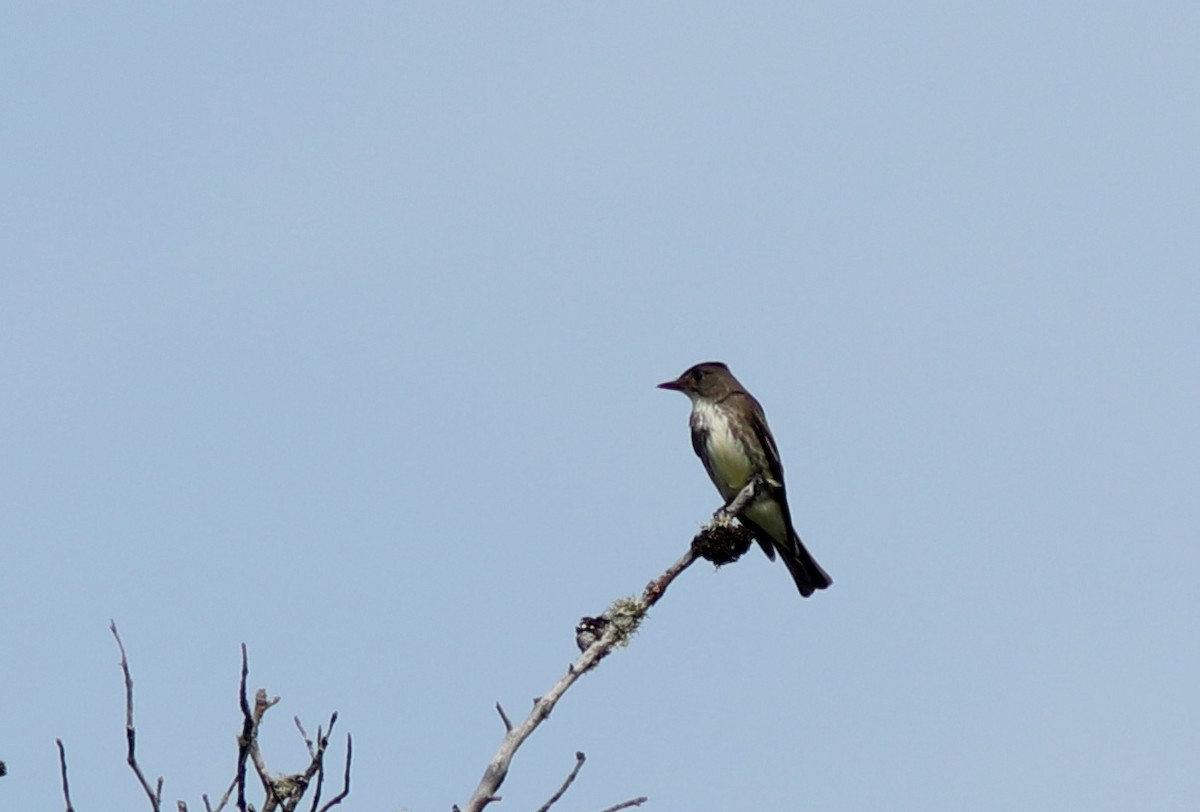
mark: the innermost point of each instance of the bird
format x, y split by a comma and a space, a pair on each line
731, 437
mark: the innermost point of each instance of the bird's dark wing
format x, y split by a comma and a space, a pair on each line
805, 570
766, 441
761, 444
774, 464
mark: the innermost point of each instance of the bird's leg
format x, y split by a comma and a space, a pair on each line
738, 503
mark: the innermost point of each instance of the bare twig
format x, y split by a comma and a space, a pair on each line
504, 718
224, 798
261, 704
341, 796
62, 769
246, 737
284, 792
566, 784
304, 735
248, 742
614, 630
316, 763
627, 804
597, 637
155, 795
655, 589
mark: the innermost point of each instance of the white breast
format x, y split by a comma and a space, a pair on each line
729, 464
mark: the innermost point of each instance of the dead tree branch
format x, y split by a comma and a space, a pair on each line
155, 794
261, 704
282, 792
341, 796
597, 637
627, 804
224, 798
566, 784
504, 717
62, 769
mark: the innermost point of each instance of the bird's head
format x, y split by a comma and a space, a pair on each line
709, 380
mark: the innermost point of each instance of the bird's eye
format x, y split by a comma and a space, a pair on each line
697, 375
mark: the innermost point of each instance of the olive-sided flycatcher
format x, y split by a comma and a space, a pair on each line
731, 437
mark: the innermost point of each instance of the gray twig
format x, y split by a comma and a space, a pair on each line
224, 798
566, 784
304, 735
618, 626
155, 795
261, 704
246, 738
341, 796
284, 792
62, 769
504, 718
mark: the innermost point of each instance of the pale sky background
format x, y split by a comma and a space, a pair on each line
334, 329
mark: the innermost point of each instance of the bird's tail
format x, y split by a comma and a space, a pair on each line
805, 570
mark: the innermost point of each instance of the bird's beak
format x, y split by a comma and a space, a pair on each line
674, 386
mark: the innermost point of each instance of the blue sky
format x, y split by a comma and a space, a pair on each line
334, 330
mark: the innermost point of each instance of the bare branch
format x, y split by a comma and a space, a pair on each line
612, 630
261, 704
304, 735
248, 742
341, 796
62, 769
596, 637
566, 784
224, 798
627, 804
283, 792
655, 589
504, 718
246, 737
316, 763
155, 795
